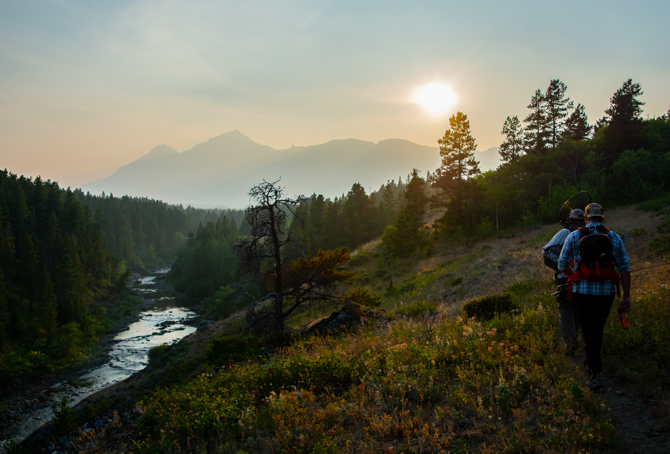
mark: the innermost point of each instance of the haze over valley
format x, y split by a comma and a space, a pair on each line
220, 171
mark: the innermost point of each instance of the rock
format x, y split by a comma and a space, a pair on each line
531, 228
351, 315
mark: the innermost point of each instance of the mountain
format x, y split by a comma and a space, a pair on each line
160, 151
488, 159
220, 171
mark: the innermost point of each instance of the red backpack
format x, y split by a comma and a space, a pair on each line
597, 263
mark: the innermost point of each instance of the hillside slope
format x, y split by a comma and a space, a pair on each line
423, 379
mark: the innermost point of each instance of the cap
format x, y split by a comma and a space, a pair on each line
595, 210
576, 215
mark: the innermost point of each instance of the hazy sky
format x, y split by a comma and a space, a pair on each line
86, 87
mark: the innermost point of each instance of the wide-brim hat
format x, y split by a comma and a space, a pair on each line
595, 210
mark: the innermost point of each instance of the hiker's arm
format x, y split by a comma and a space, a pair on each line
623, 266
567, 271
566, 257
625, 305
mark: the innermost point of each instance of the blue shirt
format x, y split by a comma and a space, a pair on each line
571, 251
558, 240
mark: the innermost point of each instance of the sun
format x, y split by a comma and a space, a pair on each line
436, 98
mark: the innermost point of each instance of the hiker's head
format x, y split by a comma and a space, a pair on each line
594, 212
576, 219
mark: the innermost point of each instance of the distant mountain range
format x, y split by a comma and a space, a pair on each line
220, 172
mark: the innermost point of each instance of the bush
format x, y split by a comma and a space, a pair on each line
157, 351
489, 306
365, 297
232, 348
417, 309
64, 420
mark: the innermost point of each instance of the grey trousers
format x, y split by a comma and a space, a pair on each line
566, 311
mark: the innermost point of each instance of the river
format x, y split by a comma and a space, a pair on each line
161, 321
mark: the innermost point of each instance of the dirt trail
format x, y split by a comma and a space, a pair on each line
638, 430
635, 417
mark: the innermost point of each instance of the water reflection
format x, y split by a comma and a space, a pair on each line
161, 322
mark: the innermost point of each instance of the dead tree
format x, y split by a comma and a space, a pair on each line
267, 252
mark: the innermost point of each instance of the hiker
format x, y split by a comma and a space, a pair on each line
551, 252
592, 281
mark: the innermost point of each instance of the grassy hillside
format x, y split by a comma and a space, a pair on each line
421, 377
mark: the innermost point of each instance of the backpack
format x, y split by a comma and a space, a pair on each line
597, 261
596, 250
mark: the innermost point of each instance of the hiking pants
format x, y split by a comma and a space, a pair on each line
566, 312
592, 312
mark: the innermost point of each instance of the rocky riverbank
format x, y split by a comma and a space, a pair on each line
160, 319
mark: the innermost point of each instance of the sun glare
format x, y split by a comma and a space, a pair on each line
436, 98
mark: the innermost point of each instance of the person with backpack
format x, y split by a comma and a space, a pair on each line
551, 252
600, 265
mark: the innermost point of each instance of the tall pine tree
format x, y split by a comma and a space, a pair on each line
512, 148
457, 149
577, 125
556, 107
536, 131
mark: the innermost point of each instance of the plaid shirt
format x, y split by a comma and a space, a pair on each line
571, 251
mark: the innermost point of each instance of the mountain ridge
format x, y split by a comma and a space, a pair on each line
221, 170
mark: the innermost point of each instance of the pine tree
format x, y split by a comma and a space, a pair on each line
457, 149
405, 235
4, 314
624, 105
557, 106
577, 124
624, 130
536, 132
512, 148
331, 237
47, 304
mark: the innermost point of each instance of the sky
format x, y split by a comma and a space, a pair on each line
86, 87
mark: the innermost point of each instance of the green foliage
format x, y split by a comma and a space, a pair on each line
155, 352
364, 297
234, 348
149, 232
489, 306
406, 235
220, 305
376, 388
416, 309
635, 231
656, 204
661, 244
54, 270
64, 420
576, 390
208, 260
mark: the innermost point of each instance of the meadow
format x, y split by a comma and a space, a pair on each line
424, 378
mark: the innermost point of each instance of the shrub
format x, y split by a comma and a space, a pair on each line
361, 258
455, 280
417, 309
232, 348
64, 420
157, 351
365, 297
489, 306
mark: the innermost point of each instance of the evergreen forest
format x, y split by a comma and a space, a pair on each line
147, 232
55, 269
